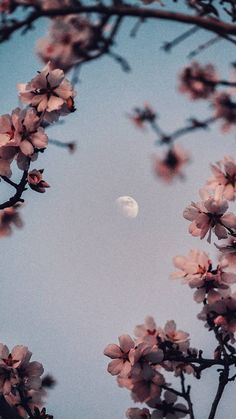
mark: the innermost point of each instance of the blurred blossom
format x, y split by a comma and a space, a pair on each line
228, 252
136, 413
171, 165
197, 81
225, 109
49, 93
9, 217
224, 174
68, 43
142, 115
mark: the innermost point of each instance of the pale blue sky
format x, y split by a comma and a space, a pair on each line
78, 274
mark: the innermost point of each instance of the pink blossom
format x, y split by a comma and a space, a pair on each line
198, 82
167, 407
225, 109
148, 330
120, 354
171, 164
222, 314
48, 92
178, 338
224, 174
22, 131
142, 115
209, 214
136, 413
228, 252
8, 218
36, 182
197, 271
147, 386
69, 40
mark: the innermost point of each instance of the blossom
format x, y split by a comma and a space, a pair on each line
8, 218
221, 314
147, 386
209, 214
142, 115
198, 82
48, 92
228, 252
197, 271
120, 354
225, 109
69, 40
148, 330
22, 131
178, 338
167, 408
136, 413
171, 164
36, 182
224, 173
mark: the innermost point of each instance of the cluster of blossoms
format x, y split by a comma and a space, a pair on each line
224, 174
171, 164
138, 362
22, 133
197, 271
21, 382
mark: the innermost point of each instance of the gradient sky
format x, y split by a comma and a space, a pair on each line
78, 274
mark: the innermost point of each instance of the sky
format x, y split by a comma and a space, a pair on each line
78, 275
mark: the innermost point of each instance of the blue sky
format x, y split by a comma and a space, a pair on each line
79, 275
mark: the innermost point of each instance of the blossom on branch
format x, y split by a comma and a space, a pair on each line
197, 271
36, 182
9, 217
167, 407
49, 92
225, 109
209, 214
170, 166
197, 81
224, 174
69, 40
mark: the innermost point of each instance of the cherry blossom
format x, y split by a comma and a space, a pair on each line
197, 81
171, 164
224, 173
178, 338
209, 214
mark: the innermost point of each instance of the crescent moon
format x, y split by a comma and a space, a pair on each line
127, 206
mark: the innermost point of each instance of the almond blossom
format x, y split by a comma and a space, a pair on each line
167, 407
136, 413
22, 131
9, 217
209, 214
225, 109
36, 182
228, 252
171, 164
197, 81
224, 173
120, 354
197, 271
68, 42
48, 92
221, 314
178, 338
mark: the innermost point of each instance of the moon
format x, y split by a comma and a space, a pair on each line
127, 206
